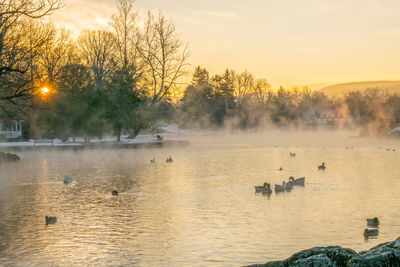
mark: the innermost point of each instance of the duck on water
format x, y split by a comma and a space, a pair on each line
322, 166
264, 189
50, 219
374, 222
67, 179
284, 187
298, 181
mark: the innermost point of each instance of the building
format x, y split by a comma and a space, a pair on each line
11, 128
394, 132
325, 117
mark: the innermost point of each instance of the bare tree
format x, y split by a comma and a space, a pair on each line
98, 49
56, 53
11, 10
124, 28
18, 48
243, 85
262, 91
164, 54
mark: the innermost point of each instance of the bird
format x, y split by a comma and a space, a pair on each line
280, 188
370, 232
374, 222
292, 155
288, 186
280, 169
322, 166
298, 181
50, 220
114, 193
153, 160
169, 159
264, 189
67, 179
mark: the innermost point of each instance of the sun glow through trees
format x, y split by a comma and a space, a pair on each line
44, 91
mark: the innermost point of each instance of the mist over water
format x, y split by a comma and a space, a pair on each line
201, 209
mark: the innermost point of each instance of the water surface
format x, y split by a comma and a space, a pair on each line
199, 210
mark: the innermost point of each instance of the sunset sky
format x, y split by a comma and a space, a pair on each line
289, 42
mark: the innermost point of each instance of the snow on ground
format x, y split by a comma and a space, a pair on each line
78, 142
8, 144
168, 130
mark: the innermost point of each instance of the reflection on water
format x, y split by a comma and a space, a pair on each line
201, 209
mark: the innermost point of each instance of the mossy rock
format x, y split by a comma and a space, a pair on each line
386, 254
318, 256
8, 157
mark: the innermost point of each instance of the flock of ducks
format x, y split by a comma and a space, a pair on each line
168, 160
285, 186
265, 189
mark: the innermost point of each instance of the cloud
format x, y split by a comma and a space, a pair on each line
77, 15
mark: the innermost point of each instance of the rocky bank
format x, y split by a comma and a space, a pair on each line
386, 254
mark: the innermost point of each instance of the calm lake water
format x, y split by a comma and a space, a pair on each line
200, 210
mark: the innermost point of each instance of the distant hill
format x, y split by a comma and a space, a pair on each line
342, 88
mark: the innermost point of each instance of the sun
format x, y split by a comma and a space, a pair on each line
44, 91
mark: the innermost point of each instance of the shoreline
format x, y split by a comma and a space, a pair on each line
30, 146
385, 254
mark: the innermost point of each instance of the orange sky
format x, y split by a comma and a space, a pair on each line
289, 42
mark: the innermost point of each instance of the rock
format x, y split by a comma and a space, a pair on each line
270, 264
8, 157
319, 260
397, 243
337, 255
318, 256
385, 254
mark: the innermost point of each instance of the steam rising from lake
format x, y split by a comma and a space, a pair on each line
201, 209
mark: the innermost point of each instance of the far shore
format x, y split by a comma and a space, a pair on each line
107, 143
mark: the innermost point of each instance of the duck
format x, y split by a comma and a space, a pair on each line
322, 166
298, 181
153, 160
50, 220
280, 169
114, 193
67, 179
280, 188
264, 189
292, 155
169, 159
370, 232
288, 186
374, 222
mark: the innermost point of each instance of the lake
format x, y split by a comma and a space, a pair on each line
200, 210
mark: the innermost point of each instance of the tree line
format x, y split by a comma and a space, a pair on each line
124, 79
242, 101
